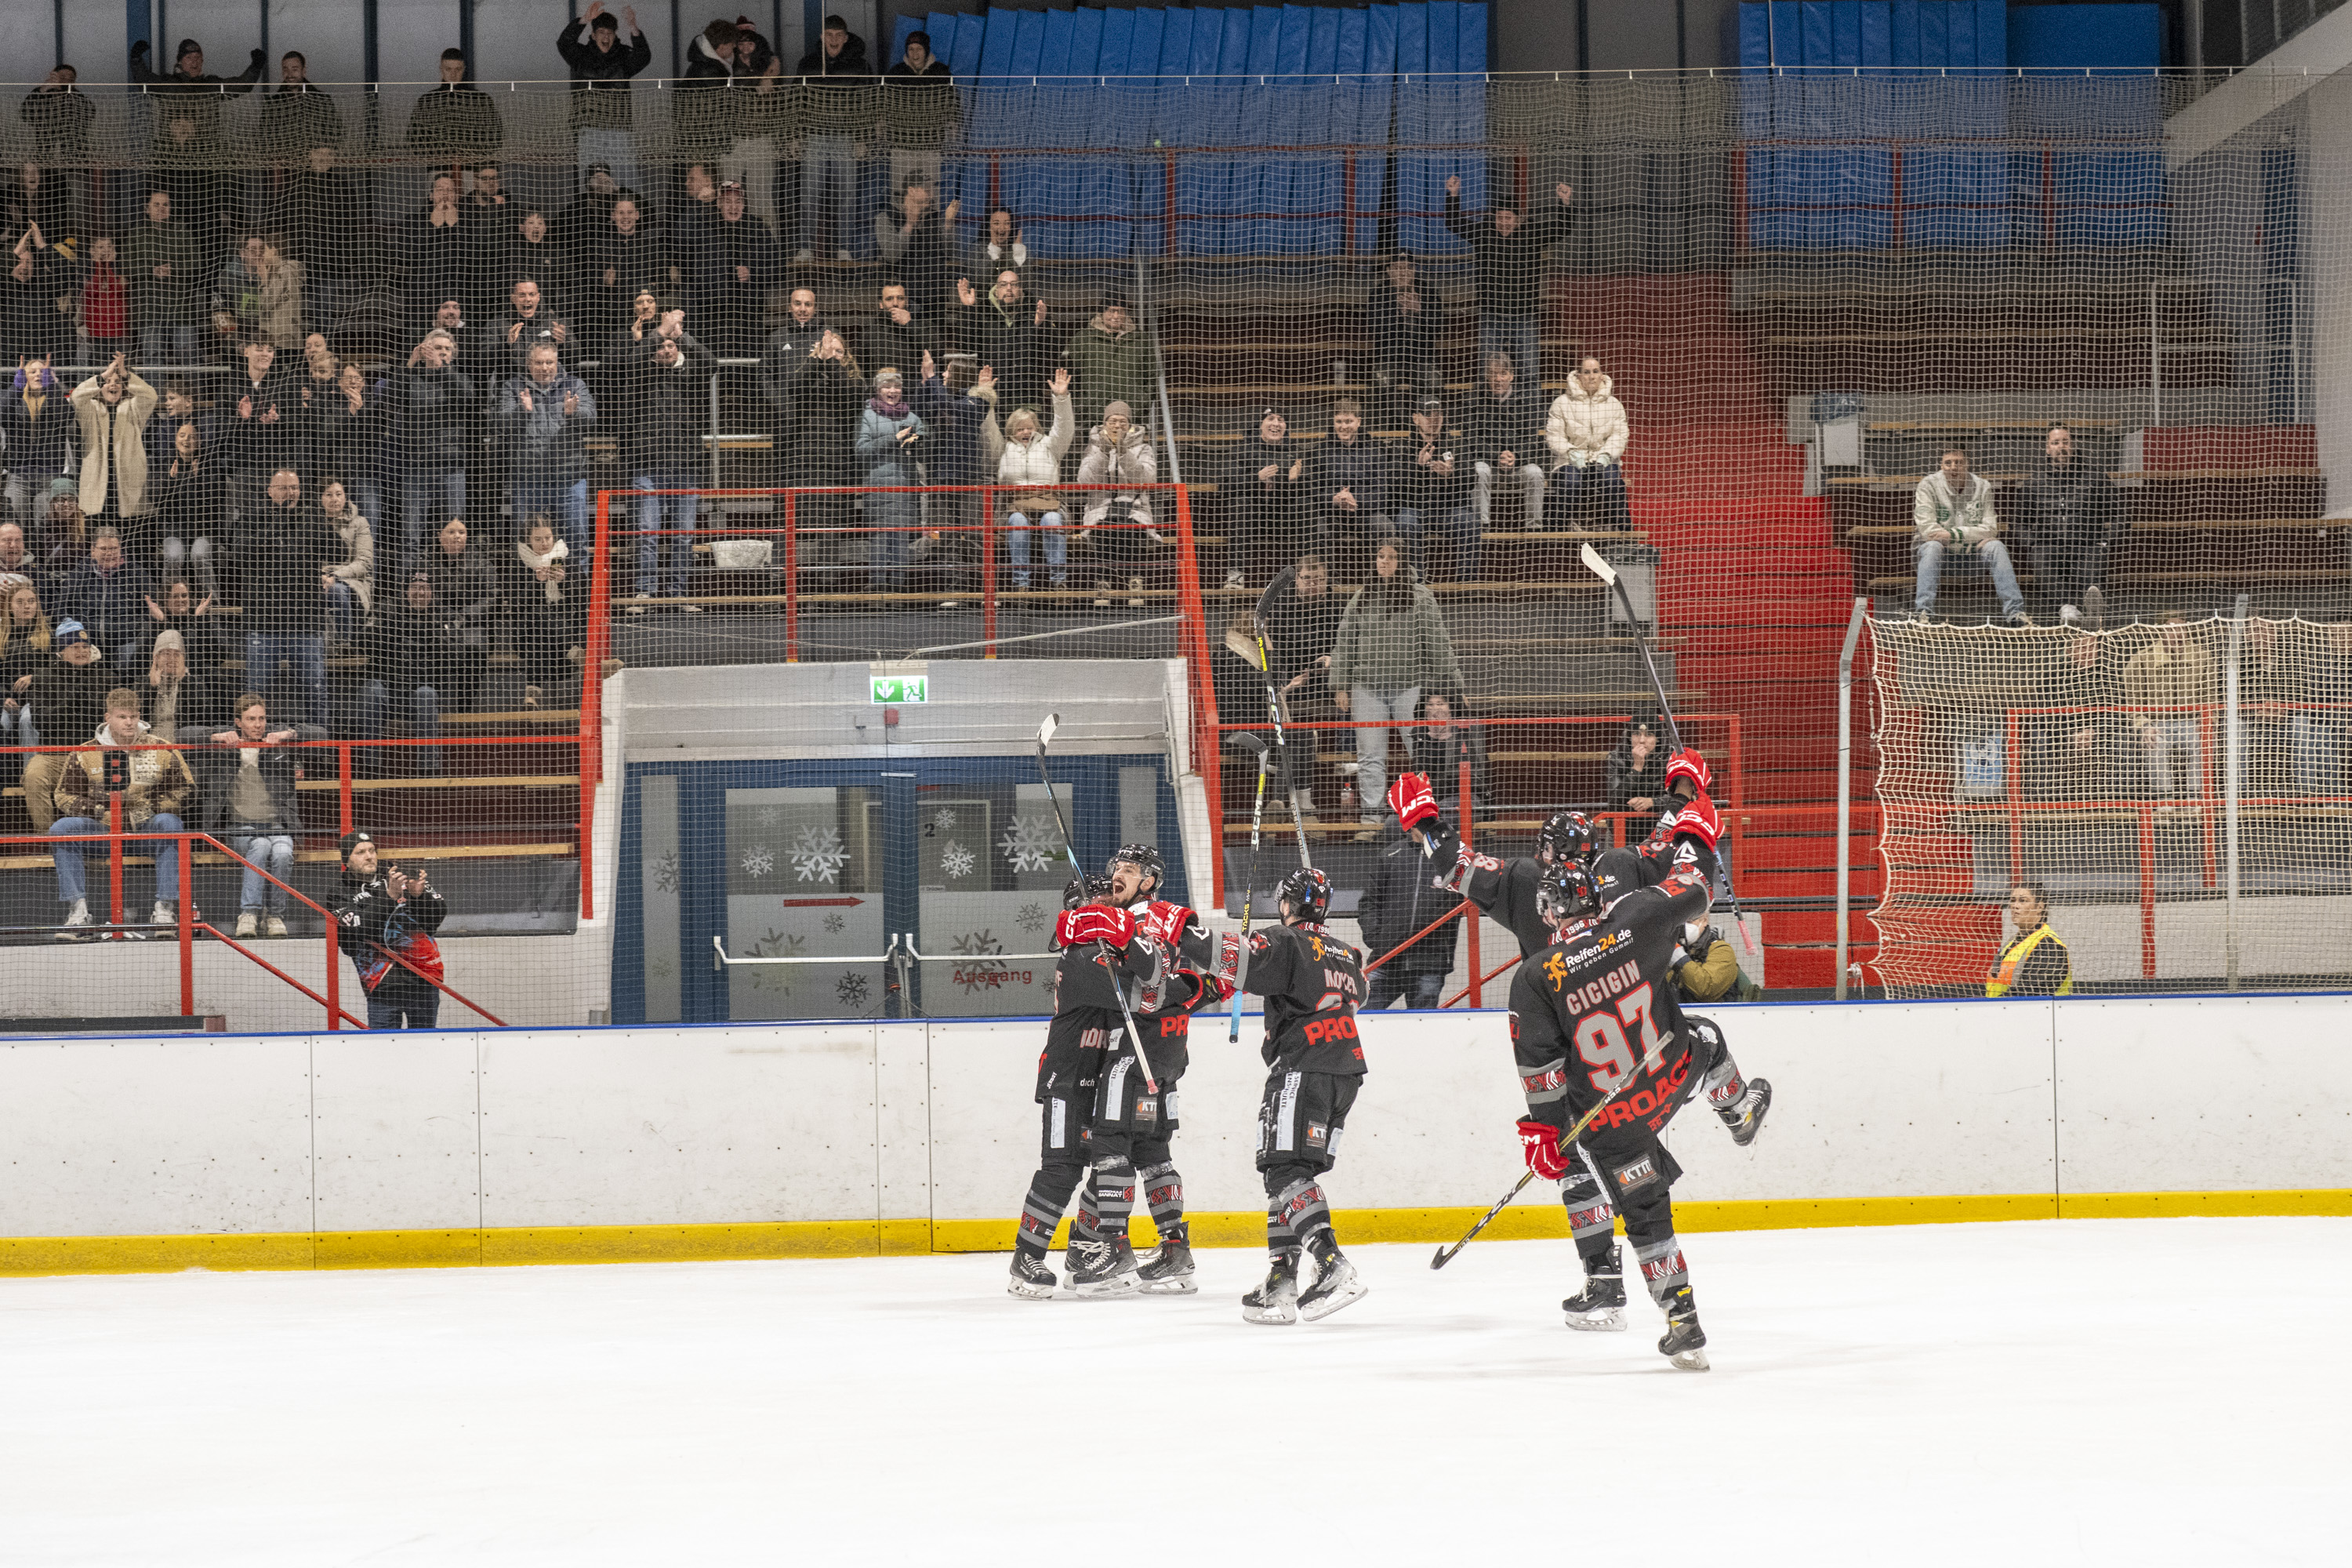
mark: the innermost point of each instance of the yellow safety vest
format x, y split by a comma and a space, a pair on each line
2004, 973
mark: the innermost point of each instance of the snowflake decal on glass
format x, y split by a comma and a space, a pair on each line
944, 819
759, 861
1032, 844
777, 978
665, 873
851, 990
661, 968
956, 860
771, 814
1030, 917
817, 855
979, 976
835, 926
1141, 825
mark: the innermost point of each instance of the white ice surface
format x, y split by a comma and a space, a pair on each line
2094, 1392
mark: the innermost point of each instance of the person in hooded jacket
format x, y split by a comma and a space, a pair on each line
386, 928
1260, 488
66, 698
1587, 432
601, 62
887, 432
1120, 453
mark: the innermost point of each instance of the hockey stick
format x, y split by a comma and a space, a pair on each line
1255, 747
1608, 574
1273, 705
1044, 737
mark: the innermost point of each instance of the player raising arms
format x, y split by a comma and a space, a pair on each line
1593, 1014
1311, 981
1506, 889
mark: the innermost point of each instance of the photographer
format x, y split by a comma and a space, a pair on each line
386, 928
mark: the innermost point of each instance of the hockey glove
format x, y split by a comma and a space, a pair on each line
1095, 923
1540, 1144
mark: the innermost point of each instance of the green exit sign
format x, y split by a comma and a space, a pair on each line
888, 689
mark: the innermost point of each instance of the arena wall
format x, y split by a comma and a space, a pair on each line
530, 1146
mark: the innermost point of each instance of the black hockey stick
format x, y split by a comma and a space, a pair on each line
1255, 747
1044, 737
1273, 706
1608, 574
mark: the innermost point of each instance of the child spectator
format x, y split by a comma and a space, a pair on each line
105, 302
1446, 738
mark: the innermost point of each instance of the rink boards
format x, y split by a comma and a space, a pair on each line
531, 1146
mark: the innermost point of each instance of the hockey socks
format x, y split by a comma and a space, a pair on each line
1738, 1103
1662, 1269
1102, 1260
1163, 1191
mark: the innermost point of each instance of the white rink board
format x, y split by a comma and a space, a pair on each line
397, 1122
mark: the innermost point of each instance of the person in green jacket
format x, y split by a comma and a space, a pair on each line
1111, 360
1392, 644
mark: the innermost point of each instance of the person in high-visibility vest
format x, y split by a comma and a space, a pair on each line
2036, 964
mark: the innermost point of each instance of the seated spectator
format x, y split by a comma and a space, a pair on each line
952, 406
588, 215
193, 518
2290, 746
1111, 360
354, 588
1030, 461
999, 250
1637, 775
528, 322
178, 407
286, 554
434, 404
259, 296
464, 585
159, 787
1587, 433
1505, 422
670, 374
113, 408
180, 612
733, 263
550, 616
1402, 894
1446, 738
2170, 680
346, 425
455, 122
1953, 522
1405, 328
1302, 624
1344, 490
105, 302
2075, 752
1007, 333
251, 805
24, 650
1428, 493
544, 415
918, 113
2067, 514
61, 538
65, 698
179, 699
39, 426
893, 336
1260, 488
18, 563
1392, 645
887, 432
425, 655
108, 593
1118, 453
918, 245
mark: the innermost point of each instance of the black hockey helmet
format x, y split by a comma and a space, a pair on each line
1569, 836
1080, 892
1308, 891
1565, 891
1144, 857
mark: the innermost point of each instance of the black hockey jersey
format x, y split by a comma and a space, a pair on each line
1506, 890
1087, 1019
1312, 982
1601, 1005
1191, 950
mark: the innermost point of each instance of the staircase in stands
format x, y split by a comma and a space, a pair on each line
1750, 579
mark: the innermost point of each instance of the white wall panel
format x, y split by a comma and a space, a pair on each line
397, 1143
96, 45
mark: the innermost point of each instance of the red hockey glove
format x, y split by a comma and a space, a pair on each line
1164, 921
1095, 923
1540, 1144
1700, 820
1411, 800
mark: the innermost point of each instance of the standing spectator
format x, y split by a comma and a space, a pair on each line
703, 116
286, 555
298, 117
262, 432
108, 593
343, 433
40, 297
529, 321
1637, 772
113, 408
486, 206
2168, 681
836, 82
58, 114
386, 929
159, 788
1006, 333
36, 198
1446, 738
1587, 434
662, 443
818, 396
1302, 626
1112, 360
354, 588
1404, 892
1404, 325
454, 124
1392, 645
544, 415
474, 349
25, 639
1505, 425
1118, 453
178, 698
952, 407
259, 297
320, 215
250, 804
434, 403
440, 248
918, 113
38, 428
465, 591
1952, 518
1428, 495
731, 266
2066, 515
887, 431
892, 335
165, 265
1000, 250
589, 213
790, 344
422, 652
1508, 251
601, 67
762, 109
187, 94
2078, 750
916, 243
1032, 461
193, 520
105, 302
1345, 489
624, 256
1261, 490
64, 699
549, 613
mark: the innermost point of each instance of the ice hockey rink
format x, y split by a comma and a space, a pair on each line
2077, 1392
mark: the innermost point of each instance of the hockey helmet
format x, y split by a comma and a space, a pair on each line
1080, 892
1144, 857
1308, 893
1688, 763
1565, 891
1410, 798
1569, 836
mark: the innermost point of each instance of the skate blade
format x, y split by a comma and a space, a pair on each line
1181, 1285
1607, 1321
1117, 1285
1021, 1291
1690, 1360
1347, 1295
1276, 1317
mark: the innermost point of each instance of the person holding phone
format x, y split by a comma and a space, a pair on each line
386, 928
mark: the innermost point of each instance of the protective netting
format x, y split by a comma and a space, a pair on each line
1179, 317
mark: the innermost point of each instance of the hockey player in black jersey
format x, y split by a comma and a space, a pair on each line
1506, 889
1311, 981
1596, 1014
1101, 949
1131, 1127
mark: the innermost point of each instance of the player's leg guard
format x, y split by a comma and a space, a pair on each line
1170, 1272
1650, 1225
1306, 1213
1106, 1260
1591, 1223
1738, 1103
1060, 1169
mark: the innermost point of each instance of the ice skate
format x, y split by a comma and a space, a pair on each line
1032, 1280
1105, 1269
1276, 1300
1685, 1343
1747, 1119
1337, 1285
1170, 1272
1600, 1306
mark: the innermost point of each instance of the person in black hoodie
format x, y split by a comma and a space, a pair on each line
624, 256
550, 605
918, 110
838, 85
66, 696
1260, 488
386, 928
186, 92
1402, 895
436, 405
1637, 772
732, 264
455, 122
2067, 513
1508, 248
896, 334
602, 63
260, 429
420, 651
192, 510
668, 380
286, 555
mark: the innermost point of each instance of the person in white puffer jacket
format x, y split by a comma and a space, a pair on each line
1587, 434
1032, 462
1120, 453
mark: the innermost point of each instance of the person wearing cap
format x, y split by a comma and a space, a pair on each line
250, 805
918, 113
731, 265
601, 62
1260, 489
888, 434
178, 698
837, 81
191, 97
1402, 895
386, 928
156, 786
1405, 324
1112, 360
66, 696
1637, 769
1430, 497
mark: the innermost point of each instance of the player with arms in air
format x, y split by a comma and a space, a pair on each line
1506, 889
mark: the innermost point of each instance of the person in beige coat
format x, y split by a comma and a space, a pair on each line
1587, 433
2167, 682
1033, 461
113, 408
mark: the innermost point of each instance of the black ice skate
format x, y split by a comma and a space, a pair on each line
1600, 1306
1032, 1280
1747, 1119
1170, 1272
1105, 1269
1336, 1286
1276, 1300
1685, 1343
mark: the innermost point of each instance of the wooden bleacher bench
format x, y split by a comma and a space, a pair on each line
2120, 476
2145, 525
329, 782
2215, 336
2026, 425
333, 857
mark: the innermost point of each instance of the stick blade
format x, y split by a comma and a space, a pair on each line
1244, 739
1046, 731
1597, 566
1440, 1260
